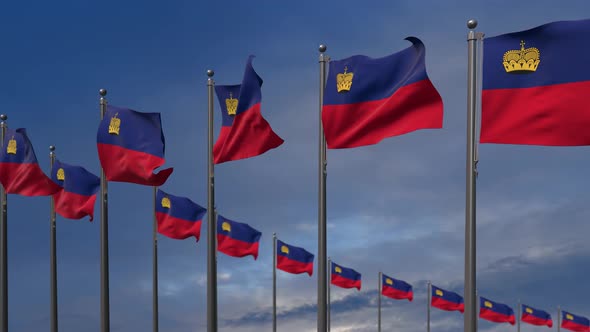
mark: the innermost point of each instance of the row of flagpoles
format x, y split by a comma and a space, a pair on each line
396, 87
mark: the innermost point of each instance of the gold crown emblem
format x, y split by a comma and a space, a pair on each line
439, 292
344, 80
232, 105
11, 148
523, 60
487, 304
338, 269
285, 249
115, 125
389, 281
570, 317
529, 310
61, 175
166, 202
226, 226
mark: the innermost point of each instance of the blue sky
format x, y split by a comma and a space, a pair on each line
397, 206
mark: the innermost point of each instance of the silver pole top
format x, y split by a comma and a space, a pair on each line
210, 73
51, 148
3, 117
472, 24
322, 48
102, 92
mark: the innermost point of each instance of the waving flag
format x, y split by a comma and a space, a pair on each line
495, 312
345, 277
78, 196
19, 171
178, 217
293, 259
131, 146
396, 289
237, 239
446, 300
535, 316
575, 323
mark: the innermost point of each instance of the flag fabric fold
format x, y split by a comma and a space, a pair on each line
294, 259
531, 94
131, 146
446, 300
367, 100
396, 289
574, 323
244, 131
536, 317
178, 217
345, 277
237, 239
79, 188
495, 311
20, 173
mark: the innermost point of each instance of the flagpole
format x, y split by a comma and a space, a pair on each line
322, 229
274, 282
558, 318
155, 268
379, 285
428, 299
104, 237
211, 229
328, 301
52, 251
518, 318
470, 317
3, 245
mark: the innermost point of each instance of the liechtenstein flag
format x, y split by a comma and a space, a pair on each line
237, 239
178, 217
396, 289
244, 132
367, 100
78, 196
293, 259
495, 312
446, 300
534, 91
536, 317
19, 171
131, 147
575, 323
345, 277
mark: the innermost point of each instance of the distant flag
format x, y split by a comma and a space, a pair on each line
19, 171
446, 300
237, 239
367, 100
345, 277
131, 146
396, 289
535, 316
575, 323
244, 131
76, 199
496, 312
531, 93
178, 217
294, 259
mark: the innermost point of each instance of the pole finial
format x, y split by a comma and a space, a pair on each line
51, 148
322, 48
102, 92
3, 117
210, 72
472, 24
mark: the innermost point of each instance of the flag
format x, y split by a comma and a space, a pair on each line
396, 289
446, 300
367, 100
237, 239
495, 312
575, 323
131, 146
19, 171
78, 195
345, 277
535, 316
178, 217
293, 259
244, 132
531, 93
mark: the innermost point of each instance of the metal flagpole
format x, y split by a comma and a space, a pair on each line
155, 269
518, 318
3, 245
274, 282
470, 317
428, 299
328, 295
379, 285
104, 237
558, 318
52, 251
322, 238
211, 229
